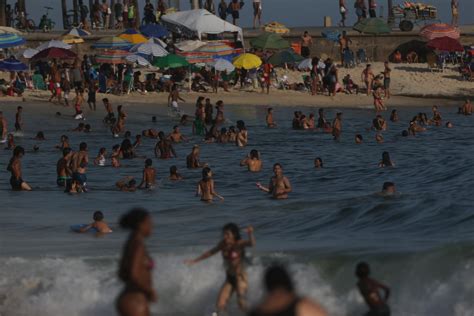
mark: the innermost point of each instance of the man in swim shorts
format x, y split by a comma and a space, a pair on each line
16, 180
63, 169
163, 148
149, 176
79, 161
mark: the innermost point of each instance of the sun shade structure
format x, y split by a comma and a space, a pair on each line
11, 30
198, 22
75, 31
436, 30
112, 42
72, 39
222, 65
285, 57
270, 41
55, 53
210, 52
8, 40
154, 30
112, 57
275, 27
133, 36
150, 49
12, 64
137, 59
445, 44
247, 61
374, 26
170, 61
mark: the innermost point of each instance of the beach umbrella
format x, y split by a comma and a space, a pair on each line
247, 61
445, 44
72, 39
222, 65
133, 36
154, 30
170, 61
137, 59
269, 41
55, 53
436, 30
285, 57
12, 64
112, 42
332, 36
306, 64
275, 27
11, 30
53, 43
155, 40
8, 40
374, 26
189, 46
77, 32
112, 57
150, 49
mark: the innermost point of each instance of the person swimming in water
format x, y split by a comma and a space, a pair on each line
394, 116
370, 291
176, 137
279, 186
79, 162
232, 247
136, 266
100, 160
386, 161
174, 175
127, 184
14, 166
269, 119
388, 188
318, 163
149, 176
205, 187
64, 172
242, 134
281, 298
359, 139
252, 161
192, 160
164, 149
337, 126
99, 224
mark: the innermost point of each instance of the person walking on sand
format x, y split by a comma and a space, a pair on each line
257, 13
370, 291
454, 12
136, 266
367, 77
14, 166
279, 186
281, 298
343, 12
306, 43
232, 247
235, 8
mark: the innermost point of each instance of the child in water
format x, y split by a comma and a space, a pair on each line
174, 175
98, 224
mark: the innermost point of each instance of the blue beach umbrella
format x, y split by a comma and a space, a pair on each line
12, 64
77, 32
154, 30
112, 42
332, 36
150, 49
8, 40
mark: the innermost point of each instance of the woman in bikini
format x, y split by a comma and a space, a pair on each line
136, 266
232, 247
205, 187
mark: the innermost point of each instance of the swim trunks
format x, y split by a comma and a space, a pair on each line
16, 183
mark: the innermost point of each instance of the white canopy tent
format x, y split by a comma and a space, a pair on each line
199, 22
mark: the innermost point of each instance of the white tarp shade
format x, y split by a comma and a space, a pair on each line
201, 22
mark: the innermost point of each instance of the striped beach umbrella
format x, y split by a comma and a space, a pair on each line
12, 64
137, 59
210, 52
111, 42
53, 43
445, 44
150, 49
112, 57
436, 30
77, 32
8, 40
133, 36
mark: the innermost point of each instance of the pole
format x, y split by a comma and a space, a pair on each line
76, 11
64, 12
3, 17
195, 4
112, 16
91, 14
137, 14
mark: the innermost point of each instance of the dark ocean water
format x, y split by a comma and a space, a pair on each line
419, 241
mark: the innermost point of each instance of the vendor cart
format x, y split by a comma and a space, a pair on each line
409, 13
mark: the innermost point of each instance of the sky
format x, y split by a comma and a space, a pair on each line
289, 12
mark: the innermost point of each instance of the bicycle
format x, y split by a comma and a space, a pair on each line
22, 23
46, 24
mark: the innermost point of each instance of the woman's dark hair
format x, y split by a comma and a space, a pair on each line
148, 162
359, 136
18, 150
234, 229
320, 161
40, 135
98, 216
66, 151
241, 124
362, 270
133, 218
386, 159
254, 153
405, 133
205, 173
173, 169
277, 277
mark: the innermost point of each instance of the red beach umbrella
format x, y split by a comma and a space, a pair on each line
445, 44
436, 30
55, 53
